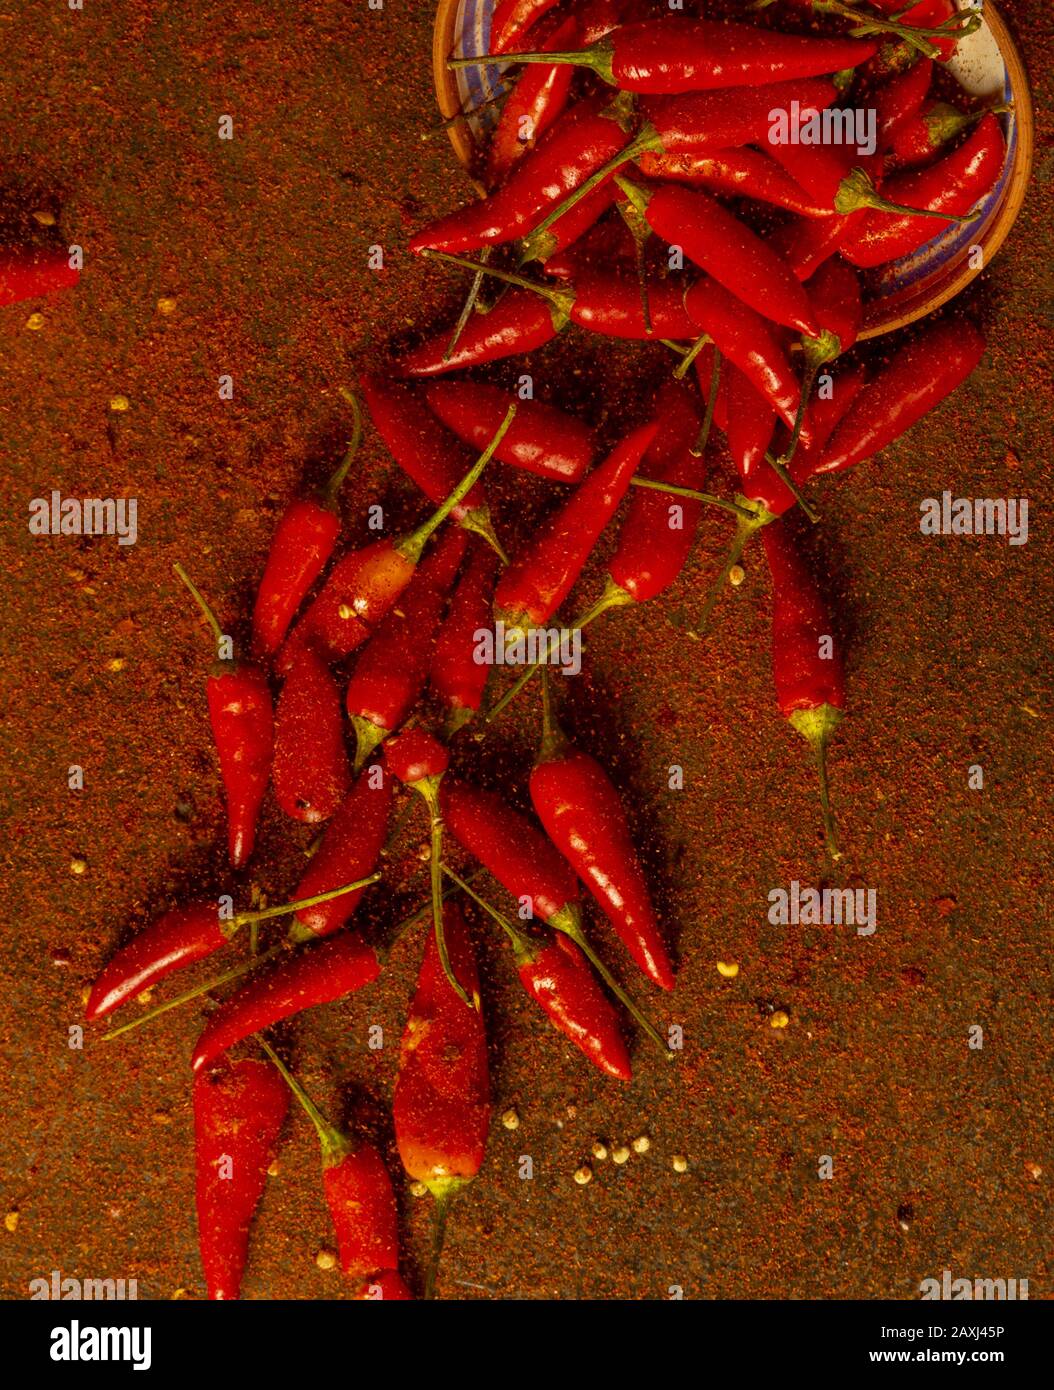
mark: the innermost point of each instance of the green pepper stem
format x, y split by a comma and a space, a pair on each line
282, 909
708, 497
564, 302
206, 987
858, 191
411, 546
329, 492
956, 26
199, 599
689, 357
744, 530
429, 789
597, 56
469, 305
520, 941
817, 726
444, 1190
335, 1145
699, 447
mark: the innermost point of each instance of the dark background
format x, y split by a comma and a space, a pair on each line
108, 118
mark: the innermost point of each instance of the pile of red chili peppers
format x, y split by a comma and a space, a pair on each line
635, 190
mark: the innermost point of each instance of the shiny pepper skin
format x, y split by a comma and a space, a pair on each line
362, 1207
303, 542
558, 977
239, 700
176, 939
239, 1110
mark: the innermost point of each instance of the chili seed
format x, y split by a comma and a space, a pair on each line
78, 866
583, 1175
600, 1150
43, 218
1034, 1171
326, 1259
11, 1222
35, 322
166, 305
680, 1163
736, 575
510, 1119
620, 1154
779, 1019
641, 1144
418, 1189
728, 968
119, 404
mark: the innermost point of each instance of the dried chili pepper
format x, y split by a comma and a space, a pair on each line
303, 543
350, 849
441, 1105
806, 667
364, 584
27, 274
316, 974
392, 667
582, 140
583, 816
688, 55
536, 583
542, 440
239, 1110
358, 1191
311, 774
426, 452
177, 939
455, 675
916, 380
557, 977
239, 701
950, 188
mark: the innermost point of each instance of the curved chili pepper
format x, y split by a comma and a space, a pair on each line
239, 1110
827, 409
417, 756
952, 187
898, 101
425, 452
537, 99
301, 547
392, 667
749, 341
315, 975
656, 56
512, 19
557, 977
751, 423
177, 939
810, 687
441, 1105
543, 439
239, 701
454, 674
311, 774
350, 849
519, 323
358, 1191
582, 140
28, 273
723, 246
918, 378
583, 816
609, 244
536, 583
743, 173
935, 126
806, 243
567, 229
364, 584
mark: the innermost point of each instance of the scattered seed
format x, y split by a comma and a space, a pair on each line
736, 575
728, 968
273, 1170
11, 1222
1034, 1171
35, 323
620, 1154
78, 866
779, 1019
326, 1259
178, 1294
424, 852
147, 997
600, 1150
583, 1175
116, 663
680, 1163
161, 1117
418, 1189
511, 1119
166, 305
641, 1144
572, 1111
43, 218
119, 404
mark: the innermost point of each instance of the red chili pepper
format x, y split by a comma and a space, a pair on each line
358, 1191
536, 583
441, 1105
512, 19
834, 293
918, 378
568, 229
455, 675
386, 1287
742, 173
302, 545
557, 977
805, 244
519, 323
425, 452
364, 584
723, 246
311, 774
827, 409
810, 680
670, 55
537, 99
609, 244
240, 714
749, 341
937, 125
896, 54
950, 188
543, 439
350, 849
751, 423
583, 816
239, 1110
416, 756
315, 975
392, 667
898, 101
177, 939
582, 140
27, 274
